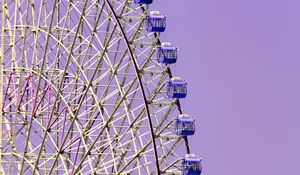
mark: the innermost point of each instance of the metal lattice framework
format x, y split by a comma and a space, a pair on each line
81, 91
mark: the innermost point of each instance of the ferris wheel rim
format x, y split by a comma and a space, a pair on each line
177, 101
140, 83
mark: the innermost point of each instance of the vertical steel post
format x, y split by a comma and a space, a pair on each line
1, 80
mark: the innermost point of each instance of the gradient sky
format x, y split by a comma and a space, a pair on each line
242, 61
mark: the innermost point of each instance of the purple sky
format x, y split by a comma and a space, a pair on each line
242, 61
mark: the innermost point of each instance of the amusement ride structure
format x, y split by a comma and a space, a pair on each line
86, 88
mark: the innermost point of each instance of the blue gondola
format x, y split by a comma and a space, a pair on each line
177, 88
167, 53
185, 125
155, 22
191, 165
143, 1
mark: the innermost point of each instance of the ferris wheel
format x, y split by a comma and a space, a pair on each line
86, 88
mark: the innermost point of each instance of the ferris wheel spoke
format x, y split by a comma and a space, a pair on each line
117, 106
139, 78
134, 157
118, 133
56, 98
145, 64
18, 100
31, 121
75, 88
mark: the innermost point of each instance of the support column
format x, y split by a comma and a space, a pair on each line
1, 79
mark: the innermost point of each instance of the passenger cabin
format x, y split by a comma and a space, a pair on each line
143, 1
176, 88
191, 165
185, 125
167, 53
155, 22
